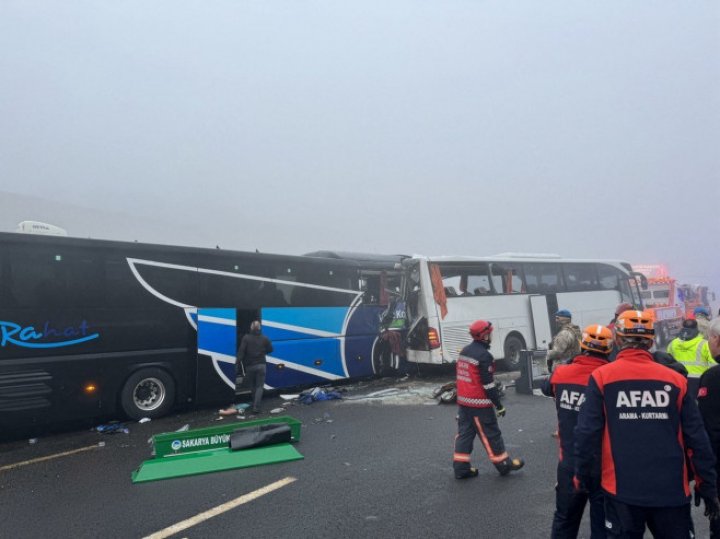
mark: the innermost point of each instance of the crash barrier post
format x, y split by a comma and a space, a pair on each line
530, 371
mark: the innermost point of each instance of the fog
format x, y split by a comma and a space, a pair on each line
587, 129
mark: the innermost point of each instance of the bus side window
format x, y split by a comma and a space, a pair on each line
580, 277
507, 278
543, 278
39, 279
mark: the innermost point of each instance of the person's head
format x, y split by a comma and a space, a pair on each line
635, 329
597, 339
255, 327
481, 330
714, 337
621, 308
689, 329
702, 312
563, 317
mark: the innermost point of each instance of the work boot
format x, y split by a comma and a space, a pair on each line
509, 465
472, 472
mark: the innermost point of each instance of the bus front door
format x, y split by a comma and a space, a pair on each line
541, 321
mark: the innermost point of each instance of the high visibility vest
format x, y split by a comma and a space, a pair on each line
693, 354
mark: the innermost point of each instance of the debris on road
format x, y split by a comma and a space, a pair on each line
112, 428
144, 420
318, 394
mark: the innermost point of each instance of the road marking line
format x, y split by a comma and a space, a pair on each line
49, 457
220, 509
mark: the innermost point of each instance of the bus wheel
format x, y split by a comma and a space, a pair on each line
148, 393
382, 360
511, 360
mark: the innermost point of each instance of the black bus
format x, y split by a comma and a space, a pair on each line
94, 328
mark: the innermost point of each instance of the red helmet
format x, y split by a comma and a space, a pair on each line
481, 330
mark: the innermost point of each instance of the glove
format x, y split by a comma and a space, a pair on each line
500, 412
712, 504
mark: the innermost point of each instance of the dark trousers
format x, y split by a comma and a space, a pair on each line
480, 422
570, 505
255, 378
628, 521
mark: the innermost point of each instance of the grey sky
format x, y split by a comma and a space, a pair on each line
589, 129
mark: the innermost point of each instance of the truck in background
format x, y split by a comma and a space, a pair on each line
660, 297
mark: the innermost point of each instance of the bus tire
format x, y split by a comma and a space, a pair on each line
383, 362
511, 355
148, 393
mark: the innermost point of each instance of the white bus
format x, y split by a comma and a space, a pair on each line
518, 293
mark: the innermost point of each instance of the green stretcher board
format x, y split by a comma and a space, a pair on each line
213, 460
199, 451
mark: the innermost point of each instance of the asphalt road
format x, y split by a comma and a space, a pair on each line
378, 467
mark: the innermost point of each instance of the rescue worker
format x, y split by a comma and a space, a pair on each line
702, 315
691, 349
566, 343
639, 415
621, 308
709, 404
479, 406
567, 384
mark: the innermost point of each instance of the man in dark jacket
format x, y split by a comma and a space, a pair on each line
479, 406
639, 415
567, 384
252, 355
709, 404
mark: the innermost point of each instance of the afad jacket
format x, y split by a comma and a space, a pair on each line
567, 384
474, 375
639, 414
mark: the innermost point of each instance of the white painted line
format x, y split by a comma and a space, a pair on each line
49, 457
220, 509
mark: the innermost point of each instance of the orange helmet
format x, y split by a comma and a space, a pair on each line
636, 324
597, 338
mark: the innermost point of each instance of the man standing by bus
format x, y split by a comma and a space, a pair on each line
479, 406
639, 416
567, 385
252, 355
566, 343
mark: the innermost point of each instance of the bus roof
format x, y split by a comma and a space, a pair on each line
507, 257
341, 259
